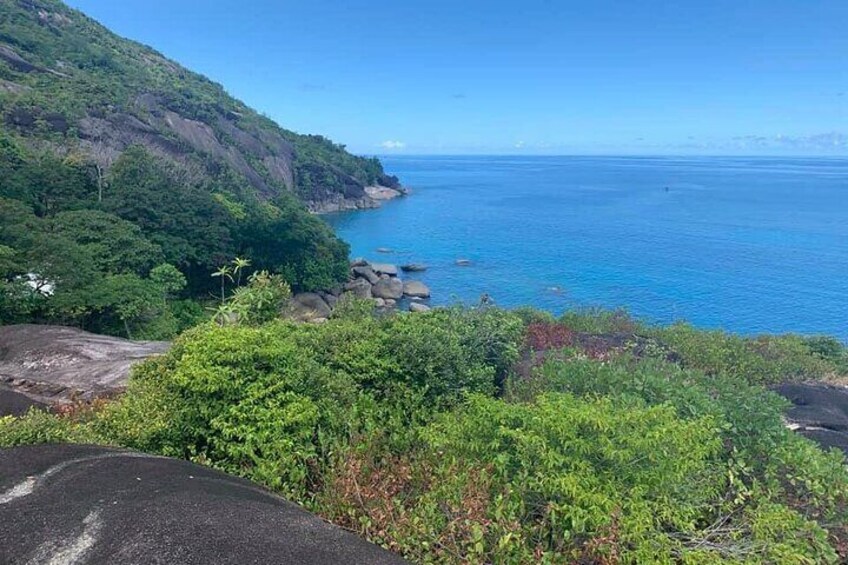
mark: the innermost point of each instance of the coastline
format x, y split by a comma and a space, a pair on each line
374, 197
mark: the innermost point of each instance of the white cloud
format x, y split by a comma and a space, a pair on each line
519, 145
389, 144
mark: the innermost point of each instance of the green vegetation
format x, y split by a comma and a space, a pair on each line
482, 435
69, 258
78, 71
114, 160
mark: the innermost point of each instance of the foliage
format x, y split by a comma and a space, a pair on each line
763, 359
260, 301
419, 432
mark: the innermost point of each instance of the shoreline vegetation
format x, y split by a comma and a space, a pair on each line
484, 435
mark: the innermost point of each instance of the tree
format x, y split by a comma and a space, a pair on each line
169, 279
116, 245
225, 272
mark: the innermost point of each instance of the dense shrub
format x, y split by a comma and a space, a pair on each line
418, 432
763, 360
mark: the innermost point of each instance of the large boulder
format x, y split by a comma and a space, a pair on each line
90, 505
416, 289
388, 289
418, 307
385, 269
14, 403
366, 273
55, 364
308, 306
359, 288
819, 412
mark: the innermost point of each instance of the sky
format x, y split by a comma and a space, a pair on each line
520, 76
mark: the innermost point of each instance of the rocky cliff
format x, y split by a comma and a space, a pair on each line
69, 84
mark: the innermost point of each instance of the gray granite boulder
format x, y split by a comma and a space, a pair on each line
14, 403
308, 306
359, 288
418, 307
366, 273
388, 289
385, 269
55, 364
87, 505
416, 289
819, 412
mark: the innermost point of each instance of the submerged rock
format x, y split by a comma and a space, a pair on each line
90, 505
413, 268
418, 307
463, 262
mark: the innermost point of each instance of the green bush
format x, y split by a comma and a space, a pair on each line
761, 360
413, 430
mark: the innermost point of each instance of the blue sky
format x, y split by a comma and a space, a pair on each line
528, 76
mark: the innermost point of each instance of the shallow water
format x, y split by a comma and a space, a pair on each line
746, 244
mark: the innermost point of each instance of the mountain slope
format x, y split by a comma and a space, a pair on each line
127, 182
68, 82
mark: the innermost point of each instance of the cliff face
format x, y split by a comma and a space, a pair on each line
68, 83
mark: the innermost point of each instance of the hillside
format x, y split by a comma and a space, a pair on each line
127, 181
71, 84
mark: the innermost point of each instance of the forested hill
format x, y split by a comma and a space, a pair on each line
115, 160
72, 83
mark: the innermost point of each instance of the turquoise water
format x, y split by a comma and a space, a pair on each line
745, 244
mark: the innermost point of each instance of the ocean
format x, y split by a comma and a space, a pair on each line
749, 245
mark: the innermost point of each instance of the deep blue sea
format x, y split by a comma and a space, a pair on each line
749, 245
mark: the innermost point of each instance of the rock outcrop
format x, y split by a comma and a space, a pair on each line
56, 364
16, 404
308, 307
416, 289
181, 117
91, 505
818, 412
388, 289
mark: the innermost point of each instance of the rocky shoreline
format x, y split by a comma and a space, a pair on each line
379, 282
373, 198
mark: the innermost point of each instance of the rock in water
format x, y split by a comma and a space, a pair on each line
385, 269
413, 268
388, 289
360, 288
384, 249
90, 505
53, 364
418, 307
366, 273
308, 306
416, 289
463, 262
